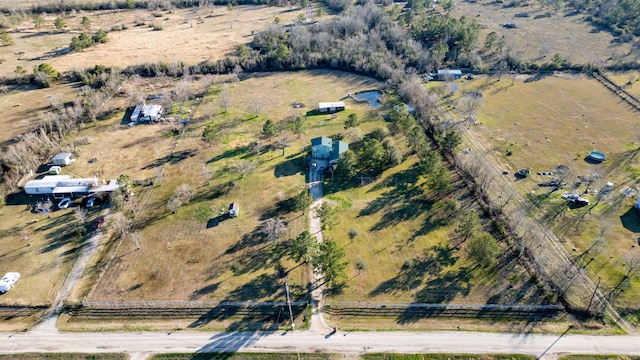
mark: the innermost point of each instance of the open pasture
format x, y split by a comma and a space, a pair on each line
198, 253
545, 32
541, 123
186, 35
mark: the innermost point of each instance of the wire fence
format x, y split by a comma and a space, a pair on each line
184, 304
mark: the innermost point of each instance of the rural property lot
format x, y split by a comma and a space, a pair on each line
198, 254
187, 35
545, 32
540, 123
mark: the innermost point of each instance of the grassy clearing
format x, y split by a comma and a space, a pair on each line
628, 80
203, 33
566, 117
545, 33
196, 254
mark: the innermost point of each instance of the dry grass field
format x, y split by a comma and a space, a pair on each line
540, 123
188, 35
545, 32
180, 257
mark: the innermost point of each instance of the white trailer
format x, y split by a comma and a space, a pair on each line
8, 280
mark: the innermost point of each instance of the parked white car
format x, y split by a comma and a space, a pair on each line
64, 203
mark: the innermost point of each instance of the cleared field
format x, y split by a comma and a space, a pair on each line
195, 254
542, 123
187, 35
545, 32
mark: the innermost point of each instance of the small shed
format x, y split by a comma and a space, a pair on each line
54, 170
448, 74
62, 159
337, 148
331, 107
234, 209
8, 280
321, 147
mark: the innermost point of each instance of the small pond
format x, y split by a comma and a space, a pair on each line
371, 96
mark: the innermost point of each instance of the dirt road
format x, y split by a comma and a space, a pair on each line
143, 343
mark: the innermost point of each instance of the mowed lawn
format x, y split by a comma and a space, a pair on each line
542, 123
405, 250
197, 254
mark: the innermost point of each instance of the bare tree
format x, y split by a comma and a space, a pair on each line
257, 106
80, 214
468, 105
256, 148
283, 141
25, 235
182, 195
224, 98
274, 228
244, 167
121, 224
136, 238
183, 90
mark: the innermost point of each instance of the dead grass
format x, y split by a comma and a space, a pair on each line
556, 120
188, 35
180, 258
545, 32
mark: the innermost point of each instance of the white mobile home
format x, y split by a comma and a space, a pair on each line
62, 159
61, 186
8, 280
331, 107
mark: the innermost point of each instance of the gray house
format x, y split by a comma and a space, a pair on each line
321, 148
337, 148
325, 148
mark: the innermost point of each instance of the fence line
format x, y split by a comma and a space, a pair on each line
448, 306
184, 304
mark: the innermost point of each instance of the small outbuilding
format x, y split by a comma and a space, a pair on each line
234, 209
331, 107
62, 159
54, 170
8, 281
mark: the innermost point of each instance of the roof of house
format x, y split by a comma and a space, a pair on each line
331, 104
63, 155
324, 141
449, 72
338, 147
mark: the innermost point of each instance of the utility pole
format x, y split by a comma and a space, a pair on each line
286, 287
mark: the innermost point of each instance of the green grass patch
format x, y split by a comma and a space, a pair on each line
446, 357
598, 357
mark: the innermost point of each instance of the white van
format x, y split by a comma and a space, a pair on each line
8, 280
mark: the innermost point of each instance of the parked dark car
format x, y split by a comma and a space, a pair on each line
97, 224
